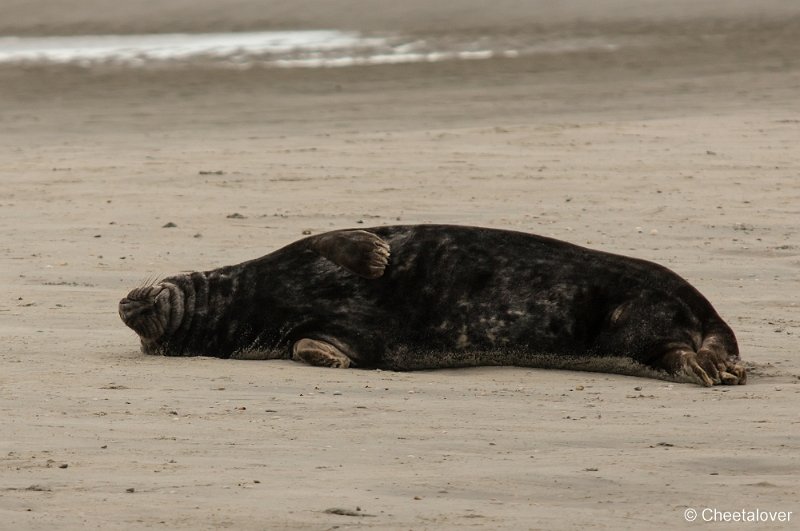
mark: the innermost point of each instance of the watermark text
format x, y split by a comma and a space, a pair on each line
711, 514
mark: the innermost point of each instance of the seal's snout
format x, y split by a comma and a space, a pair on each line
146, 311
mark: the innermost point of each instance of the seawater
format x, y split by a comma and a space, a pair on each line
286, 49
161, 47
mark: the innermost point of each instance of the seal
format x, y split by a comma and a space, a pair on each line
438, 296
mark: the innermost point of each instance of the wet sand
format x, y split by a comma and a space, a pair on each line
681, 149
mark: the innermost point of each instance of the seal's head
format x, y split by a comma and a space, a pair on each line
150, 311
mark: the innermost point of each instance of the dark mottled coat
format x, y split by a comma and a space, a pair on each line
448, 293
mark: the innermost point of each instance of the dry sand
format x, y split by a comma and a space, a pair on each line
683, 150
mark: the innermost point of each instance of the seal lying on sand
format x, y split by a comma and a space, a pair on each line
450, 296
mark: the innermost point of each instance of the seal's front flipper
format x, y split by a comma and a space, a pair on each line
320, 354
360, 252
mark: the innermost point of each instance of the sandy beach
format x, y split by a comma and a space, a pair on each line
679, 146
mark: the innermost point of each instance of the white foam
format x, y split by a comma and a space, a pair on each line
380, 59
134, 48
283, 49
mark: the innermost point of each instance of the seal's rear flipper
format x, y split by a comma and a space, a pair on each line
710, 368
320, 354
360, 252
